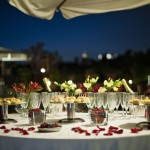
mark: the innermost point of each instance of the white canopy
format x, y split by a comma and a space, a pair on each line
45, 9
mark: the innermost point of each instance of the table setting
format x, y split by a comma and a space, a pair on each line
112, 119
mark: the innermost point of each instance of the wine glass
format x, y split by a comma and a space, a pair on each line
92, 101
122, 102
65, 94
99, 99
105, 102
111, 100
45, 98
118, 101
132, 107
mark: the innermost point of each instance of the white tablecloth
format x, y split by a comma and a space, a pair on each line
66, 139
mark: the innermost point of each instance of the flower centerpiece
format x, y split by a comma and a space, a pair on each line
89, 85
76, 92
111, 86
67, 86
30, 87
23, 91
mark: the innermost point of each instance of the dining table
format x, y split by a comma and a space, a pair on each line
67, 138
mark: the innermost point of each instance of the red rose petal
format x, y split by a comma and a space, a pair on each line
101, 129
113, 128
31, 129
17, 129
108, 134
119, 131
87, 134
24, 132
96, 132
79, 130
136, 130
6, 131
2, 127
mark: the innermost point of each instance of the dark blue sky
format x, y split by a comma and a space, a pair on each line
98, 33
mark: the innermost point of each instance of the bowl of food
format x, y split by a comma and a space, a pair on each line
47, 127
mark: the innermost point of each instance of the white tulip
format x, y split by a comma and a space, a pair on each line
87, 85
102, 89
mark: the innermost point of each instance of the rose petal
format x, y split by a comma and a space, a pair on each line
119, 131
96, 132
2, 127
87, 134
113, 128
108, 134
6, 131
134, 130
31, 129
101, 129
24, 132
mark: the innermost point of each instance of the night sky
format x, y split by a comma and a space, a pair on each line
113, 32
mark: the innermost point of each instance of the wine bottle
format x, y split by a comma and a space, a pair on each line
128, 89
47, 84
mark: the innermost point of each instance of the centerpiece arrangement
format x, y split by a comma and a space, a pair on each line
21, 90
29, 93
26, 88
84, 93
75, 96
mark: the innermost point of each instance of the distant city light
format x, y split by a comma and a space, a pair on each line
43, 70
100, 56
84, 55
130, 81
109, 56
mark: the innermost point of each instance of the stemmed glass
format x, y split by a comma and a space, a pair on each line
99, 97
118, 101
105, 105
92, 101
122, 102
65, 94
126, 97
112, 100
132, 107
45, 98
105, 102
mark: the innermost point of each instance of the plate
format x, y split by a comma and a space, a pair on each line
55, 129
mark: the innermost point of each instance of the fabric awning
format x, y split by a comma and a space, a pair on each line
45, 9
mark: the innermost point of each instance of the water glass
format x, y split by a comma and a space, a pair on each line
35, 100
